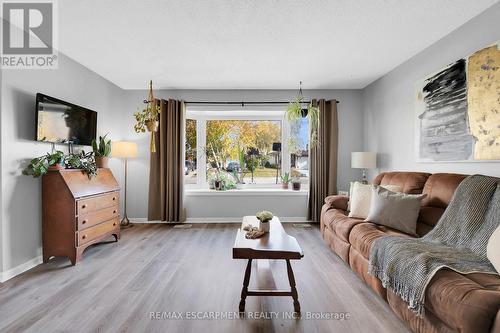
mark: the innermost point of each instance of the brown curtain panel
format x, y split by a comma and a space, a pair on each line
167, 165
323, 159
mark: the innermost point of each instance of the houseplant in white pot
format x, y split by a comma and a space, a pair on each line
264, 217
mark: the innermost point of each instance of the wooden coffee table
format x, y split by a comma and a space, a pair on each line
276, 244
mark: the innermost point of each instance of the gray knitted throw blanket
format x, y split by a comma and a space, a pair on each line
458, 242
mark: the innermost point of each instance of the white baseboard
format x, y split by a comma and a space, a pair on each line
216, 220
9, 274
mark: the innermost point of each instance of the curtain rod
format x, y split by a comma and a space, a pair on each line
243, 103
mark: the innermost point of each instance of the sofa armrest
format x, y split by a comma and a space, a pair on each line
337, 201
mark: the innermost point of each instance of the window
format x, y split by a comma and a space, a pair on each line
244, 148
253, 149
190, 174
298, 147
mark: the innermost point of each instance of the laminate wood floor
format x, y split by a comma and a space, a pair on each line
187, 273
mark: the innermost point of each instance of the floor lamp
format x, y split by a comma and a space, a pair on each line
124, 150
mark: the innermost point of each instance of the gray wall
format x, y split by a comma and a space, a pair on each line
21, 195
389, 102
350, 139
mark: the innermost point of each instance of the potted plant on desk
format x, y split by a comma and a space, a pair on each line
39, 166
55, 160
48, 162
102, 151
84, 161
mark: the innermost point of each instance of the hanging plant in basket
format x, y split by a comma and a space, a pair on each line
296, 110
147, 119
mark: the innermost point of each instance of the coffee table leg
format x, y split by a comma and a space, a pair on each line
291, 279
246, 281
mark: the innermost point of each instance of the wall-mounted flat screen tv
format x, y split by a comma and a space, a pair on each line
62, 122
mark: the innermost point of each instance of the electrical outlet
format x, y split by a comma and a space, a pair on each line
343, 193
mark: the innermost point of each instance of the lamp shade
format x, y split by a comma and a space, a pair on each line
123, 149
363, 160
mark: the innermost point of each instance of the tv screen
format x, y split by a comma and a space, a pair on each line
62, 122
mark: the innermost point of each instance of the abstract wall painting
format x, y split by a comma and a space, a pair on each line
483, 99
458, 110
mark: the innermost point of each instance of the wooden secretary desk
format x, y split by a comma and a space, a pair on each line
78, 212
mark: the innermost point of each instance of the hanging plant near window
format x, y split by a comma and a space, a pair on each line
295, 111
147, 119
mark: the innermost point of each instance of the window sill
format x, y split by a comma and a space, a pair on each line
247, 192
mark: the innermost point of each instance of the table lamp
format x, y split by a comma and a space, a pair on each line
124, 150
363, 160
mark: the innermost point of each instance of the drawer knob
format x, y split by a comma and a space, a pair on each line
114, 224
114, 212
84, 206
114, 198
84, 221
84, 236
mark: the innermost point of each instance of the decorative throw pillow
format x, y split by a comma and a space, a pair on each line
350, 196
360, 198
493, 249
396, 210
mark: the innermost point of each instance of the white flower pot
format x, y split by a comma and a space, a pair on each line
264, 226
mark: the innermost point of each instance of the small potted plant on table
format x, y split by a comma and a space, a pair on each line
264, 217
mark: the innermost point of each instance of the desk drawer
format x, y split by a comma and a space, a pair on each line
88, 235
93, 218
96, 203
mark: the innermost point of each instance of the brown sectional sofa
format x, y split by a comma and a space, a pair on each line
454, 302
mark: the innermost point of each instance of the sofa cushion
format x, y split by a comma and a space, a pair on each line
361, 198
427, 219
339, 223
439, 188
337, 245
411, 182
364, 234
466, 303
395, 210
332, 215
342, 227
359, 265
428, 323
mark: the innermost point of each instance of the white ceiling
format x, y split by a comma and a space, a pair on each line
251, 44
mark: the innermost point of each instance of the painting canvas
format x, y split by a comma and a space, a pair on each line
458, 110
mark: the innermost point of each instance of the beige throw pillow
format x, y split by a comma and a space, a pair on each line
396, 210
360, 198
493, 249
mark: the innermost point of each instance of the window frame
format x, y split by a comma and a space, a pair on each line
202, 117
